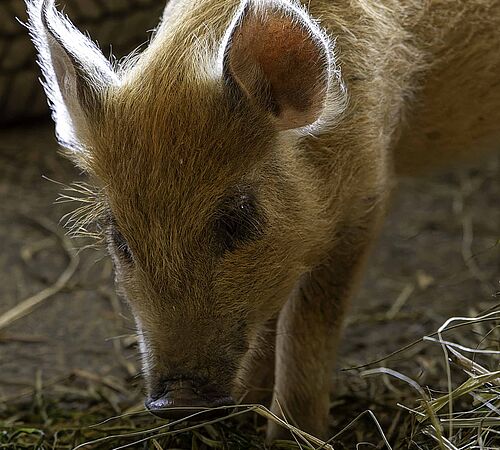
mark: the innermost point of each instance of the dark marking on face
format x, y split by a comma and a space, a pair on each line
238, 221
118, 243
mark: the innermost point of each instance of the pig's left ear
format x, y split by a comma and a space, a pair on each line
75, 71
281, 60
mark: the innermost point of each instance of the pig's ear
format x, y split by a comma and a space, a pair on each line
75, 72
281, 60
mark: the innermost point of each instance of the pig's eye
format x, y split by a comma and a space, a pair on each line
237, 222
120, 245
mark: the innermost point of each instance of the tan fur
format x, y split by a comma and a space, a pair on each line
169, 142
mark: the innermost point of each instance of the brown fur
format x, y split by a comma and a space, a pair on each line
171, 141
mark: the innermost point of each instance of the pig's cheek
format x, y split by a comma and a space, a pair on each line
145, 357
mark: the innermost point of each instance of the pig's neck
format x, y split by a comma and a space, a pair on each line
380, 68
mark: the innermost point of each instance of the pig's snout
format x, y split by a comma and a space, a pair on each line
181, 399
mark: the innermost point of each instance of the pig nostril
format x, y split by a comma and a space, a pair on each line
182, 402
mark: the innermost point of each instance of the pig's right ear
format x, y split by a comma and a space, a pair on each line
75, 72
282, 61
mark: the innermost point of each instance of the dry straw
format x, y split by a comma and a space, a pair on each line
465, 416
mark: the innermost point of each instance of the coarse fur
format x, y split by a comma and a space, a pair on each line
236, 121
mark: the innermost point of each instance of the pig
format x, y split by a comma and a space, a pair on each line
245, 161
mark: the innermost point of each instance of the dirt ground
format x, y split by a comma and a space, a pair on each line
438, 257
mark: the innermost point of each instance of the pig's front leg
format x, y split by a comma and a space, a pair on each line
308, 333
257, 377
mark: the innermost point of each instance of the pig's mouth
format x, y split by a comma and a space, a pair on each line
181, 399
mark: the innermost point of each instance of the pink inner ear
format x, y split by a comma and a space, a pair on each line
278, 56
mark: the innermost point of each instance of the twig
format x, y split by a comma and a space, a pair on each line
400, 301
27, 305
106, 381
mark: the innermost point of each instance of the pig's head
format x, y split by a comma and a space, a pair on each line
211, 212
